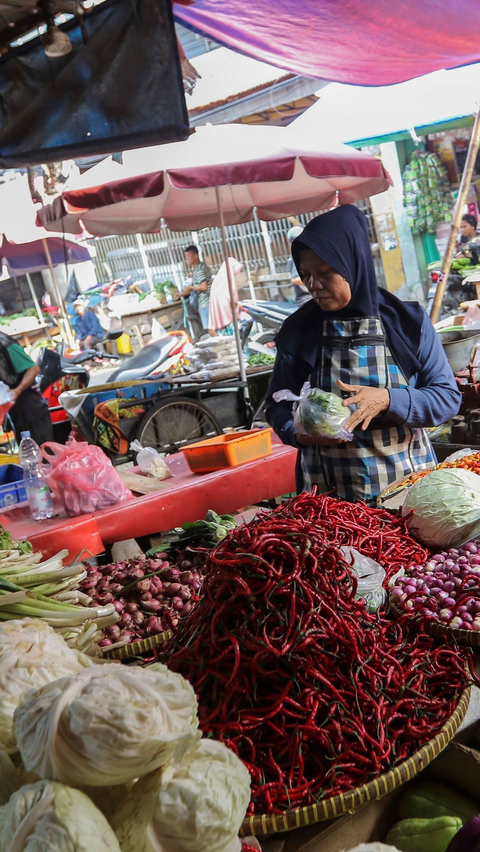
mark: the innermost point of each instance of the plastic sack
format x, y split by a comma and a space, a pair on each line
83, 478
150, 461
472, 318
318, 413
370, 576
460, 454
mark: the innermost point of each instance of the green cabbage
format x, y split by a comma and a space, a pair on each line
445, 507
49, 817
108, 725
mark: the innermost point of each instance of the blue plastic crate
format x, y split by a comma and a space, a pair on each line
12, 488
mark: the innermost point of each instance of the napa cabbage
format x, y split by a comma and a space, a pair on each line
49, 816
108, 725
31, 655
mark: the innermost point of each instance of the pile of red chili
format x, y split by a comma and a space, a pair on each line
315, 695
373, 532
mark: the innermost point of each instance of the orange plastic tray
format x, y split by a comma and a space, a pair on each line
228, 450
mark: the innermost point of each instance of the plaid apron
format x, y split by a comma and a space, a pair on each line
356, 352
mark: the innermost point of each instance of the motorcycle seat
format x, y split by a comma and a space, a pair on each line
285, 308
145, 361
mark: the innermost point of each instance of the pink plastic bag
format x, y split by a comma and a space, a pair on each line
83, 478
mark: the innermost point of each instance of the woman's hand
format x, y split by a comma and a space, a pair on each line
308, 441
369, 401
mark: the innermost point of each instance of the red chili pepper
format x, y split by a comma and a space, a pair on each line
311, 691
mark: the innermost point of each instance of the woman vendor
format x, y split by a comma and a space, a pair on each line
380, 354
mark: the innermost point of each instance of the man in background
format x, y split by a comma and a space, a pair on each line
198, 291
88, 330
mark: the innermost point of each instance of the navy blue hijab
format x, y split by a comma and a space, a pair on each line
340, 238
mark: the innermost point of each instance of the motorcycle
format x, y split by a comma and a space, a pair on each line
62, 369
270, 316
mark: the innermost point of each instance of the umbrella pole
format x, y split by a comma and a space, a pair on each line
243, 374
60, 302
462, 197
34, 297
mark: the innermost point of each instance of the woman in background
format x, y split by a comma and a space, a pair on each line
220, 317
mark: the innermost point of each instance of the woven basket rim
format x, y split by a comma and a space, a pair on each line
141, 646
437, 629
344, 803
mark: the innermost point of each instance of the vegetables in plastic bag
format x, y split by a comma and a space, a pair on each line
31, 655
108, 725
82, 477
446, 507
198, 806
49, 816
318, 413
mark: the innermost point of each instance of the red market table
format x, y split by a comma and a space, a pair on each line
184, 497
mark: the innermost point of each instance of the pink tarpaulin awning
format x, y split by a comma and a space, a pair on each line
271, 169
364, 42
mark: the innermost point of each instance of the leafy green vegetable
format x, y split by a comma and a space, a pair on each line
260, 359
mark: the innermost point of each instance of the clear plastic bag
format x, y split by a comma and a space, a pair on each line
370, 576
150, 461
318, 413
83, 478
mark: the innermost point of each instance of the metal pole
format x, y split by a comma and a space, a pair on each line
171, 258
146, 265
247, 268
34, 297
462, 197
243, 374
60, 302
268, 246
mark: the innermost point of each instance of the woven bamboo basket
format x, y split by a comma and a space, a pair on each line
136, 649
345, 803
438, 630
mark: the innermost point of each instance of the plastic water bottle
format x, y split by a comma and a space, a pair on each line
38, 492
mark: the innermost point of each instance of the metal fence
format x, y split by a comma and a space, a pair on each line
160, 257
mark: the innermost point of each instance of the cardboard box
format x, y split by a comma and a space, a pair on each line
458, 766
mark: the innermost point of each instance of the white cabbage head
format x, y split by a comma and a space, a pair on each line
49, 816
197, 806
107, 725
31, 655
446, 507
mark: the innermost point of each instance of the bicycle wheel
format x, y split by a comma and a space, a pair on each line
174, 423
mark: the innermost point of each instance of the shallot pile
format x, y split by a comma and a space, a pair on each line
150, 595
446, 588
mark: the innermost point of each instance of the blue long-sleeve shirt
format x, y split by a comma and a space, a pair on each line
431, 398
88, 325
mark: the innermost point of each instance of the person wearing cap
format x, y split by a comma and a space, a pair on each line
29, 411
301, 293
88, 330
